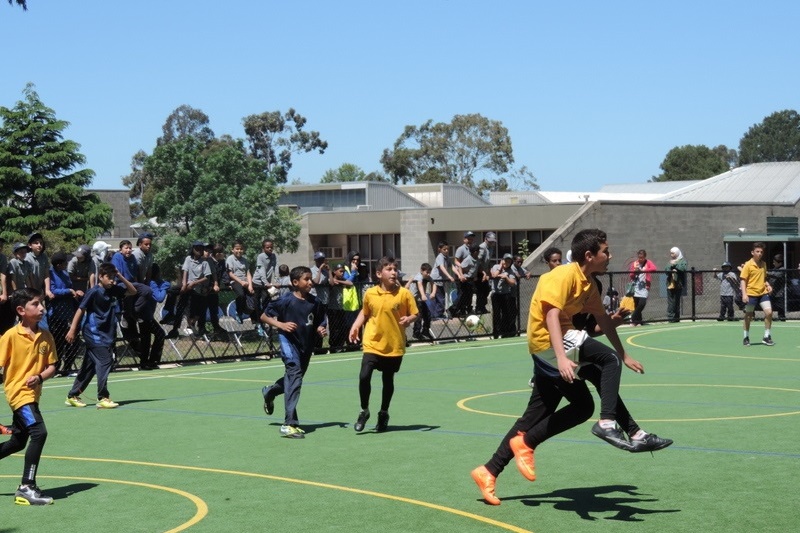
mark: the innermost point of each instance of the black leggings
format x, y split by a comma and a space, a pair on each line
542, 419
28, 423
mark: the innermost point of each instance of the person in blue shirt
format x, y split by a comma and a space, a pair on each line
151, 333
126, 264
61, 309
99, 305
299, 319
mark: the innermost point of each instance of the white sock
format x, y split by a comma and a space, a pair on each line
605, 424
639, 435
746, 333
766, 333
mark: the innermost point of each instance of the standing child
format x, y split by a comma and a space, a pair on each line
337, 315
299, 319
18, 268
729, 284
388, 309
755, 292
61, 309
99, 331
28, 357
151, 332
39, 265
440, 273
504, 305
8, 314
418, 286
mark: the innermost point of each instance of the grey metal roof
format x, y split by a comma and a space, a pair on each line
443, 195
759, 183
654, 187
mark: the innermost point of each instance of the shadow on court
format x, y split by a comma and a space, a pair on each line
588, 500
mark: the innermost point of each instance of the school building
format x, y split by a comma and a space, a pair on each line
711, 221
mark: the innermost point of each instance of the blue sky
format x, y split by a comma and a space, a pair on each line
591, 93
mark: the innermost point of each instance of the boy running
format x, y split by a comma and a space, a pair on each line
299, 319
388, 309
562, 356
28, 358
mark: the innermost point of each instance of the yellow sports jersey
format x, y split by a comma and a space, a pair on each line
22, 357
383, 334
565, 288
754, 275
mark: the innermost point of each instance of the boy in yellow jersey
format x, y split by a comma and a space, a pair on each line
562, 357
755, 292
28, 358
387, 311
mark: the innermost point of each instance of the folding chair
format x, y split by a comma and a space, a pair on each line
237, 331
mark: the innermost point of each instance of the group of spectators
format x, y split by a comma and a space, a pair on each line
477, 280
64, 279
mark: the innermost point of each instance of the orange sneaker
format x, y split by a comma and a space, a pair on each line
523, 454
485, 481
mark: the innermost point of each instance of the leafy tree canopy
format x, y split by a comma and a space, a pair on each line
186, 121
201, 187
693, 162
23, 3
776, 138
464, 151
40, 190
274, 137
350, 172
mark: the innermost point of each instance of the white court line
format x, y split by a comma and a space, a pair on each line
68, 383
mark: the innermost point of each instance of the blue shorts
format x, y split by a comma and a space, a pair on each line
762, 301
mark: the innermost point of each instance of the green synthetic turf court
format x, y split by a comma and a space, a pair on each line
190, 449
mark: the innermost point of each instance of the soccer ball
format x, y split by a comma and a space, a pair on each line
472, 321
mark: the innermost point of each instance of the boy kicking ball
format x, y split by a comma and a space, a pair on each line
28, 358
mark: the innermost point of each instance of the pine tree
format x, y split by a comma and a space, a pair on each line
40, 190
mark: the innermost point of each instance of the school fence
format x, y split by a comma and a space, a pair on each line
229, 336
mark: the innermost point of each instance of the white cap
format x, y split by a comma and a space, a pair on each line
100, 248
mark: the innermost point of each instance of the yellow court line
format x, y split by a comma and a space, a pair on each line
402, 499
462, 404
200, 505
630, 340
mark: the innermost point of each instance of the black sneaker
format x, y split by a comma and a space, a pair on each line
363, 416
767, 341
31, 495
612, 435
173, 334
746, 341
650, 443
383, 421
269, 400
